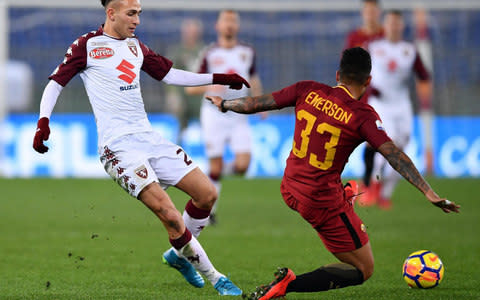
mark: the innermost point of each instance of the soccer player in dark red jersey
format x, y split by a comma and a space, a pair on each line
370, 30
330, 123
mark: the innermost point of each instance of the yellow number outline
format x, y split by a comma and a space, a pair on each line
305, 135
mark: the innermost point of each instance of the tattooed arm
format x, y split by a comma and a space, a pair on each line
405, 167
245, 105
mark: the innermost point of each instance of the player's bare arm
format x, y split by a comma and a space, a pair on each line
196, 90
257, 90
245, 105
404, 165
256, 84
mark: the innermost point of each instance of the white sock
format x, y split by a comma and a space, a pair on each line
390, 182
197, 256
194, 225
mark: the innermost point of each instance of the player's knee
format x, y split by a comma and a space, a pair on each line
210, 196
367, 271
207, 198
240, 169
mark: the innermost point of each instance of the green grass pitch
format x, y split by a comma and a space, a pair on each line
87, 239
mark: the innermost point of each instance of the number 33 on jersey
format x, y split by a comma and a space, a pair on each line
329, 125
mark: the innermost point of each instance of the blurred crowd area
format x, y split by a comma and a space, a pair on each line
291, 46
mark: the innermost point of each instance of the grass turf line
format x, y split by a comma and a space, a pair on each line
87, 239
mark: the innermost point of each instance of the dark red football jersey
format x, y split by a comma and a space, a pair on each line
358, 38
329, 125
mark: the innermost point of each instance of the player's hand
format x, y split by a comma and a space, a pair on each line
217, 101
42, 134
446, 205
375, 92
234, 81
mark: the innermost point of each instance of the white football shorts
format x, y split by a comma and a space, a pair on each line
222, 129
397, 119
136, 160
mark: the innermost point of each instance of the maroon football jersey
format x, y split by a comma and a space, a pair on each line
358, 38
329, 125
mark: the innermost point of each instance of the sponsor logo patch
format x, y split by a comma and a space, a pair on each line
101, 53
128, 87
126, 68
379, 125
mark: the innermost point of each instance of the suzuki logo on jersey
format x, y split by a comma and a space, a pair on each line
129, 87
126, 68
101, 53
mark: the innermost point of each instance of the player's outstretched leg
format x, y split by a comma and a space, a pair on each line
333, 276
190, 249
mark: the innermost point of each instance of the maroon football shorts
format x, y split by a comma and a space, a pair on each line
340, 228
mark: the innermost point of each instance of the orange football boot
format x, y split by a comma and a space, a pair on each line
351, 191
370, 194
276, 289
384, 203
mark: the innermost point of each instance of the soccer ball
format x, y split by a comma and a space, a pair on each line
423, 269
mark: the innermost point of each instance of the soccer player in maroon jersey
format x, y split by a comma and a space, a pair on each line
330, 123
138, 158
370, 30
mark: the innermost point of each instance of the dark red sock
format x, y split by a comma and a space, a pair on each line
195, 212
181, 241
214, 177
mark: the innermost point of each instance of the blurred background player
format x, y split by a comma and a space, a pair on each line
330, 123
227, 55
370, 30
423, 43
138, 158
393, 61
184, 55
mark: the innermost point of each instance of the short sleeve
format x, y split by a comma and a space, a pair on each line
253, 67
154, 64
288, 96
203, 66
373, 132
420, 69
75, 61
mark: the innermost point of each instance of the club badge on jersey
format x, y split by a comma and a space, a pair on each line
133, 48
